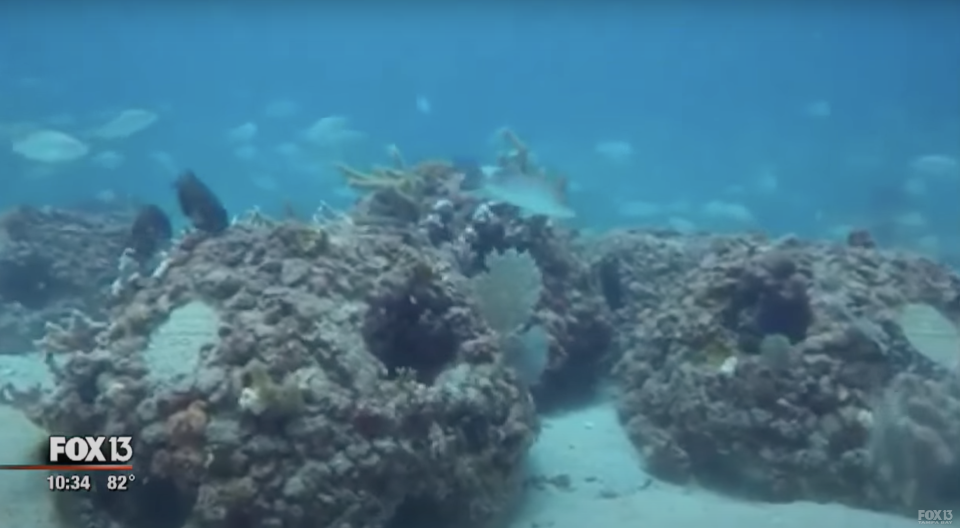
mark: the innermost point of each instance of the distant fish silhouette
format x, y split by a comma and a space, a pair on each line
473, 176
151, 229
533, 194
200, 205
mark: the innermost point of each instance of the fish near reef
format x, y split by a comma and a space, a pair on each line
150, 230
200, 205
534, 194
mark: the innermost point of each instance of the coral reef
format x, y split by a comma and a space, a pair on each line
383, 367
571, 309
343, 383
400, 194
756, 367
53, 262
915, 445
337, 372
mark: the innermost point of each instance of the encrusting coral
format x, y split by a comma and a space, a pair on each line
263, 396
329, 372
778, 370
344, 387
347, 370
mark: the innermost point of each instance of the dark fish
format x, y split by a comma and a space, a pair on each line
200, 205
150, 230
473, 175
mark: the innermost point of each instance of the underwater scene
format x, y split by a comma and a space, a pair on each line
479, 264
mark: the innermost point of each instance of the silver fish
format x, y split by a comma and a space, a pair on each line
533, 194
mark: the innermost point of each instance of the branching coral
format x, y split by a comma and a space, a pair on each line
401, 191
378, 179
80, 334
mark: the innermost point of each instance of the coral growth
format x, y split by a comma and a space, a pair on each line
400, 192
571, 310
381, 367
915, 440
756, 367
53, 262
355, 385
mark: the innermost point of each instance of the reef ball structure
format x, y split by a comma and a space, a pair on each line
781, 370
295, 375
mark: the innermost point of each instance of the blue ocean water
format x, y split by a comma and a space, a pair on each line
782, 116
726, 116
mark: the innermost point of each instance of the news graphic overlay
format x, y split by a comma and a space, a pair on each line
75, 455
83, 453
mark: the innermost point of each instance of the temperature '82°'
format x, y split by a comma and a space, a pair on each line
119, 482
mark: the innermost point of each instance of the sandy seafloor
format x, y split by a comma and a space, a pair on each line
592, 478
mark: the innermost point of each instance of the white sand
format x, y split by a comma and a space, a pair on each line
591, 448
24, 495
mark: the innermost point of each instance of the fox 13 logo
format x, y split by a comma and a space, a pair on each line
90, 451
935, 516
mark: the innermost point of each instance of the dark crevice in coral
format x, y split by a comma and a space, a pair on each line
29, 281
408, 327
419, 512
153, 502
608, 275
409, 337
770, 298
572, 388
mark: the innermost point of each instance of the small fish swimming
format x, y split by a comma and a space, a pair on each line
244, 133
200, 205
50, 146
423, 105
126, 124
533, 194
